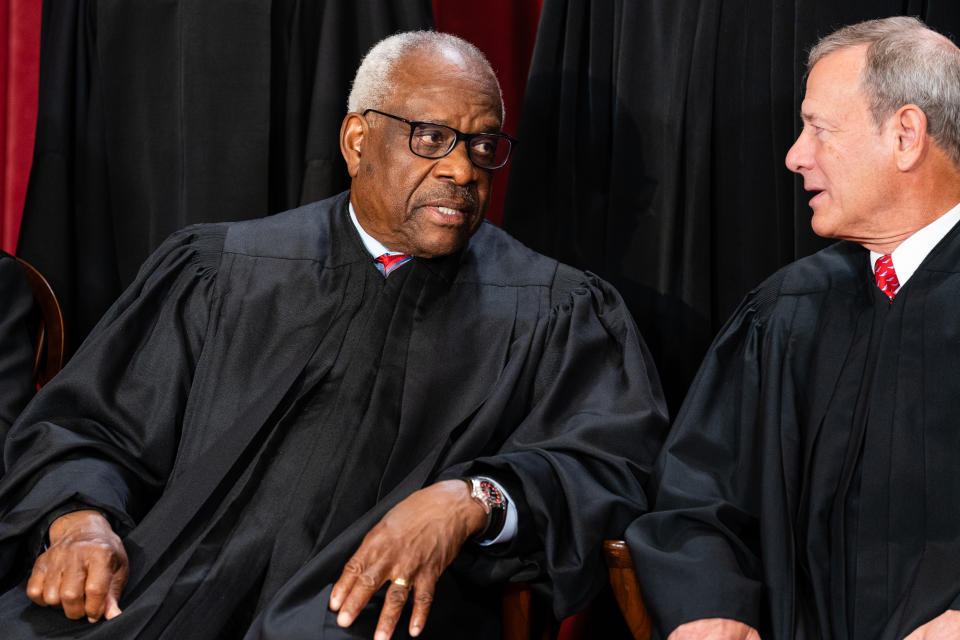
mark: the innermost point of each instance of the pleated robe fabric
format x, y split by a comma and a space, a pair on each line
260, 396
809, 485
16, 343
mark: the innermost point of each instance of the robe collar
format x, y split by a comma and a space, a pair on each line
363, 246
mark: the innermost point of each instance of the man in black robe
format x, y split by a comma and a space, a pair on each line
809, 487
16, 347
264, 427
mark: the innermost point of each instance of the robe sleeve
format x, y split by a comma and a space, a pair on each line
577, 462
104, 431
696, 551
16, 350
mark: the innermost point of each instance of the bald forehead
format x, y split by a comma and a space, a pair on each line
437, 65
441, 61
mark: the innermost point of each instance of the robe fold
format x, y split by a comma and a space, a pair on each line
260, 396
809, 485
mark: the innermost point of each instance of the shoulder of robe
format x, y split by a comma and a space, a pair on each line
14, 285
495, 257
839, 266
9, 266
200, 244
293, 235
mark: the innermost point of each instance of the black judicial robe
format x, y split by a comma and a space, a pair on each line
16, 347
809, 486
186, 416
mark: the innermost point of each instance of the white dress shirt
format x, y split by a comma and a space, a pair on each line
912, 251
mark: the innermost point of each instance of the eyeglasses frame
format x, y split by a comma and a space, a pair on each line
460, 135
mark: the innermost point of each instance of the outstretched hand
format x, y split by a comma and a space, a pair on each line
410, 547
83, 571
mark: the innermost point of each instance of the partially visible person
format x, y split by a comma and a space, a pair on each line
809, 487
16, 345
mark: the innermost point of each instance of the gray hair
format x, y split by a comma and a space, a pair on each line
374, 83
906, 63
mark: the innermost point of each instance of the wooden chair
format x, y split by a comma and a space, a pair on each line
623, 580
518, 605
49, 341
518, 615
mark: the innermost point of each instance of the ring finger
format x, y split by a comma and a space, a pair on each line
393, 602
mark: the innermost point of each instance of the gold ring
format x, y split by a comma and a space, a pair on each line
400, 582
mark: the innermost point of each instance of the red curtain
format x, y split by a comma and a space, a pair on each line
19, 74
505, 31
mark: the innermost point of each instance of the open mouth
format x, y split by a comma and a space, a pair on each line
449, 213
816, 194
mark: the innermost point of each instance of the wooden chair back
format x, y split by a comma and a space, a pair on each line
49, 336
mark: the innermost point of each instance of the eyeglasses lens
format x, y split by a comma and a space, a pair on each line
434, 141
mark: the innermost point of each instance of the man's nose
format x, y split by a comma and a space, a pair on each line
457, 165
799, 155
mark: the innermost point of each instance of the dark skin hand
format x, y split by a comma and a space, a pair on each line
84, 570
415, 541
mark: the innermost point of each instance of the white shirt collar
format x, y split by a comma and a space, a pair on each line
912, 251
371, 244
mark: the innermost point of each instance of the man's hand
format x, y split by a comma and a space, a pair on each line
84, 570
410, 547
946, 626
714, 629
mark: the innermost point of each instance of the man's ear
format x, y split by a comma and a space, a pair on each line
910, 136
352, 134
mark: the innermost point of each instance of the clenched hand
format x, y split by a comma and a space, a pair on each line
410, 547
83, 571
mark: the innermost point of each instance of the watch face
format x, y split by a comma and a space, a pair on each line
491, 493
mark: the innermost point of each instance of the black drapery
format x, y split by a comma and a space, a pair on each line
653, 135
155, 115
653, 138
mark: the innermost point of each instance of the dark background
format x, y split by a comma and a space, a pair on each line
652, 134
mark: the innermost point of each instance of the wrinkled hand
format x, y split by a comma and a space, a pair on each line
415, 541
946, 626
83, 571
714, 629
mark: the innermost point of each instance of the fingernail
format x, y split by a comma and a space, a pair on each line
381, 635
415, 631
91, 620
343, 619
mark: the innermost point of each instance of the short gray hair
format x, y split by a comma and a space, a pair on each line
906, 63
373, 83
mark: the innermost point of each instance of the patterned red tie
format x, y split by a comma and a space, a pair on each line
886, 276
389, 263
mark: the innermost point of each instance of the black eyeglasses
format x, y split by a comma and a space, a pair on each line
431, 140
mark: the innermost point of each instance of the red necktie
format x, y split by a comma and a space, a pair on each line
886, 276
391, 262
